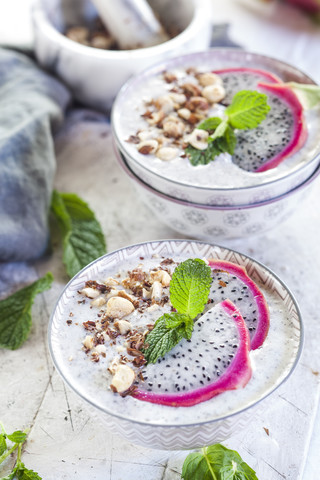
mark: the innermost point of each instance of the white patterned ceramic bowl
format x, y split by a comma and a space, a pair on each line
167, 427
217, 223
95, 75
186, 189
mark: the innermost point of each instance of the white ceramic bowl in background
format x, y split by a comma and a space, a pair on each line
217, 222
94, 75
174, 432
215, 58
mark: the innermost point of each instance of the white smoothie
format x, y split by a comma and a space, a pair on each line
220, 173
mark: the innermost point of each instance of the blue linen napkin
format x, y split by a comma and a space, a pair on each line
31, 107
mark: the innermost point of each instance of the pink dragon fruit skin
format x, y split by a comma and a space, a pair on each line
236, 375
242, 78
261, 75
312, 6
299, 134
261, 329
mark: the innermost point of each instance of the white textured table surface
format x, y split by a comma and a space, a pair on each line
64, 442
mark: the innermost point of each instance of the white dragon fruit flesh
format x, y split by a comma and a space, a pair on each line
216, 359
230, 281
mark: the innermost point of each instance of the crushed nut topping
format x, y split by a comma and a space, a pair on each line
111, 339
172, 118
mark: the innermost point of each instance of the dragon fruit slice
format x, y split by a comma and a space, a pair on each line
241, 78
281, 134
231, 281
216, 359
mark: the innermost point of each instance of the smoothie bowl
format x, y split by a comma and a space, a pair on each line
160, 124
213, 378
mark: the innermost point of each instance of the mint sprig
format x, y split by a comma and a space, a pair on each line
83, 239
190, 287
216, 463
246, 111
15, 314
189, 291
168, 331
18, 438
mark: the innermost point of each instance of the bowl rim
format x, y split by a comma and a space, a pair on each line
41, 21
185, 203
162, 66
170, 425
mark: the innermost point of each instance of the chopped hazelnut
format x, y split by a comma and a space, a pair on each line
209, 78
118, 307
161, 276
156, 291
198, 139
100, 349
123, 326
167, 153
90, 292
173, 128
148, 147
98, 302
214, 93
123, 378
111, 282
88, 342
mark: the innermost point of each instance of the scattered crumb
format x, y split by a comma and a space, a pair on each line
266, 430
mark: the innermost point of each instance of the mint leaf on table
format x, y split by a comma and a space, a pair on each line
216, 463
190, 286
15, 313
309, 95
10, 475
247, 110
189, 292
20, 471
83, 239
17, 437
24, 474
3, 444
168, 331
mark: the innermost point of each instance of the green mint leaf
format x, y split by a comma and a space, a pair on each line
227, 142
309, 95
11, 475
202, 157
15, 313
24, 474
83, 239
216, 463
17, 437
3, 444
197, 467
210, 124
220, 130
190, 287
247, 110
162, 339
